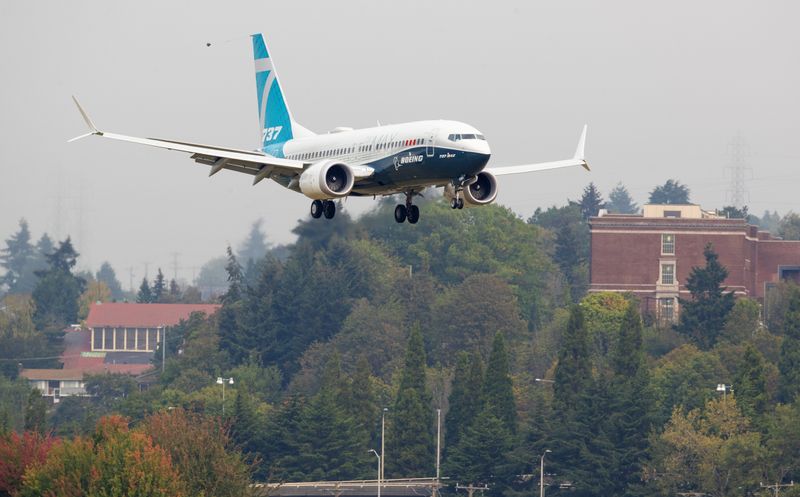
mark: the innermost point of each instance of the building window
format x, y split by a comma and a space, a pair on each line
668, 274
672, 213
97, 338
667, 309
667, 244
119, 339
108, 344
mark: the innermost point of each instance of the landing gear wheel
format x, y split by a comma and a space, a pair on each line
316, 209
413, 214
329, 209
460, 203
400, 213
454, 204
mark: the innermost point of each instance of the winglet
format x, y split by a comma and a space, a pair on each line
579, 152
92, 128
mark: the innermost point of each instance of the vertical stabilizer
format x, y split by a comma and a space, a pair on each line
274, 117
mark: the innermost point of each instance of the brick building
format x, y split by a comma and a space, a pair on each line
652, 254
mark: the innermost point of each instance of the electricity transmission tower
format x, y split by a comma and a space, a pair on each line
739, 171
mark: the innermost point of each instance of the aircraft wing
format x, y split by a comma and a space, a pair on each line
577, 160
258, 164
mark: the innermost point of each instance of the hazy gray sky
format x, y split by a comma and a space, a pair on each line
664, 87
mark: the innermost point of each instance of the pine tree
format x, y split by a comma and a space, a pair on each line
411, 429
789, 362
107, 275
591, 201
703, 317
255, 245
246, 429
620, 201
466, 397
364, 407
17, 260
174, 291
630, 399
57, 292
671, 192
573, 372
230, 314
35, 412
159, 288
751, 384
145, 295
482, 454
498, 389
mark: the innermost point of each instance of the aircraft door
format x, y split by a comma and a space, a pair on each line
430, 143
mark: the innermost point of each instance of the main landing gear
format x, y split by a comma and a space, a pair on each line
457, 203
408, 211
323, 207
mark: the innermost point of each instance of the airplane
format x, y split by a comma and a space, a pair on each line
345, 162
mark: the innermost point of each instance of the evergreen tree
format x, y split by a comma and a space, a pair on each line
145, 295
230, 314
751, 384
671, 192
254, 246
482, 454
107, 275
497, 389
573, 373
789, 362
591, 201
411, 429
174, 291
364, 406
630, 414
280, 446
620, 201
733, 212
246, 429
159, 288
57, 292
17, 260
466, 397
703, 317
35, 412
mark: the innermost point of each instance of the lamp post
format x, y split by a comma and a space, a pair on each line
380, 469
541, 380
541, 473
222, 381
383, 432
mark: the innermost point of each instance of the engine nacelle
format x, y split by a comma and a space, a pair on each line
482, 191
327, 179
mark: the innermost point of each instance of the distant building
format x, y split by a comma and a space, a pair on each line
136, 327
651, 255
120, 338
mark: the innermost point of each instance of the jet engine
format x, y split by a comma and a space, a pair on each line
327, 179
481, 191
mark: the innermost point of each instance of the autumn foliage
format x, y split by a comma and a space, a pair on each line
18, 452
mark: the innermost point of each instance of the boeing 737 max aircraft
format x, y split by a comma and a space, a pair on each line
384, 160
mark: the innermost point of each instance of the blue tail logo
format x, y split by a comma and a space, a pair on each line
274, 117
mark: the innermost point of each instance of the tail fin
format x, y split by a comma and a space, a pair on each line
274, 117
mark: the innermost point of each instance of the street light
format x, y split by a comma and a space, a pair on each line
383, 430
222, 381
541, 473
543, 380
380, 468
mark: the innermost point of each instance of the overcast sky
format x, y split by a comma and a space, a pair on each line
664, 87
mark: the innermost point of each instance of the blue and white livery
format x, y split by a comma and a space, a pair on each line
383, 160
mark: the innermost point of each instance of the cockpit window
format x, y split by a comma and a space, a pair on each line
469, 136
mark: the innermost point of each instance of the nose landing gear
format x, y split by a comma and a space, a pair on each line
408, 211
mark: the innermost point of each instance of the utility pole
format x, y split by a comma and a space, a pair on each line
471, 489
175, 265
438, 449
383, 433
777, 486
